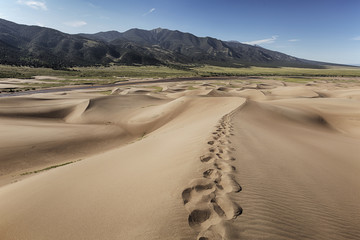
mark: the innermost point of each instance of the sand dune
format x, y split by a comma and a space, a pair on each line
193, 161
294, 92
300, 178
158, 173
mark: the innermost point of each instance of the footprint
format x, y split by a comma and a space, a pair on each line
227, 157
224, 166
198, 216
237, 212
214, 232
216, 150
228, 184
230, 209
211, 142
226, 149
224, 142
208, 173
212, 174
199, 188
186, 195
217, 208
205, 158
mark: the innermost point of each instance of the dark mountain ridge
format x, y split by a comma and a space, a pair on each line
40, 46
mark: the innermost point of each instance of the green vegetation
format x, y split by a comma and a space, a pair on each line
115, 74
48, 168
29, 72
283, 71
112, 73
296, 79
104, 75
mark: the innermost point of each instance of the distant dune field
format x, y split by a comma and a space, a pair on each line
220, 159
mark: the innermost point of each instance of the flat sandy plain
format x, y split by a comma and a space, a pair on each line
243, 158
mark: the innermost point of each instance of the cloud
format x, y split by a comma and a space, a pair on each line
356, 38
34, 4
294, 40
263, 41
150, 11
76, 23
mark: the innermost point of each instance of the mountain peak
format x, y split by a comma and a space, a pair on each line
158, 30
26, 45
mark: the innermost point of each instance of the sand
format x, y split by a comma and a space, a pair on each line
204, 160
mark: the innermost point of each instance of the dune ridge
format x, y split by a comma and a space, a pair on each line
76, 128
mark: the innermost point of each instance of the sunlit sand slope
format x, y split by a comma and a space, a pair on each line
133, 192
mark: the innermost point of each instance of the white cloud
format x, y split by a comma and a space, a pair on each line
76, 23
356, 38
150, 11
263, 41
294, 40
34, 4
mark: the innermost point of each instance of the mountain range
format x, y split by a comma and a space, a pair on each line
45, 47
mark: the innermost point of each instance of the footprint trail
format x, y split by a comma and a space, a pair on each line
207, 199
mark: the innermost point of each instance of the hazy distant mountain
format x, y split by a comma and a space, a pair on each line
39, 46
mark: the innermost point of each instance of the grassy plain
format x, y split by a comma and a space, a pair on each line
164, 72
282, 71
113, 74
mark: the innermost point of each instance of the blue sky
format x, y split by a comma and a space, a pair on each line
323, 30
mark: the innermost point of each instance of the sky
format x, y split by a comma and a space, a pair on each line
322, 30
